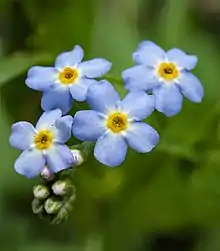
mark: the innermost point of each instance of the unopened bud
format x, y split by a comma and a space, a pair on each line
46, 174
78, 157
52, 205
37, 206
41, 192
62, 187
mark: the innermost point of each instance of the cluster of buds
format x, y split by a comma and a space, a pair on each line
54, 196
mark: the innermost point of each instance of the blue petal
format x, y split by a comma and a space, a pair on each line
48, 118
41, 78
102, 96
88, 125
62, 129
59, 157
79, 89
110, 149
57, 98
182, 59
141, 137
138, 105
168, 99
95, 68
30, 163
148, 53
191, 87
139, 77
22, 135
70, 58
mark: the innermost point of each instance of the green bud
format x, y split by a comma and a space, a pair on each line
37, 206
41, 192
81, 152
52, 205
62, 187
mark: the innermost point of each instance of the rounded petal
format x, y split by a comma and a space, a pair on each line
102, 96
95, 68
141, 137
139, 77
48, 118
57, 98
110, 149
148, 53
59, 157
88, 125
138, 104
30, 163
191, 87
182, 59
22, 135
70, 58
168, 99
41, 78
62, 129
79, 89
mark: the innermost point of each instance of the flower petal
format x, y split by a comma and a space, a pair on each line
62, 129
168, 99
88, 125
138, 105
79, 89
139, 77
22, 135
48, 118
148, 53
57, 98
110, 149
41, 78
182, 59
30, 163
141, 137
95, 68
102, 96
70, 58
59, 157
191, 87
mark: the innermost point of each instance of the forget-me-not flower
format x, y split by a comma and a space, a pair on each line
69, 79
43, 145
113, 124
166, 74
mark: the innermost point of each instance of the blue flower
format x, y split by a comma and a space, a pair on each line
166, 74
43, 145
113, 124
69, 79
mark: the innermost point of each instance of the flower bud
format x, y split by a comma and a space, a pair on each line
52, 205
78, 157
46, 174
41, 192
37, 206
62, 187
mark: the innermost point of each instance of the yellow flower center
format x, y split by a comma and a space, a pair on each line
68, 76
43, 140
117, 122
168, 71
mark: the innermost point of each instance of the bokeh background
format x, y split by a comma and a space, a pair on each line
166, 200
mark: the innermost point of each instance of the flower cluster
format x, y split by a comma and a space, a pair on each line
112, 124
159, 80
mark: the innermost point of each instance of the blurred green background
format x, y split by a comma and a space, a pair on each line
168, 199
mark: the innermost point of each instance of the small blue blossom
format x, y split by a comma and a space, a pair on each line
43, 145
166, 74
69, 79
113, 124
